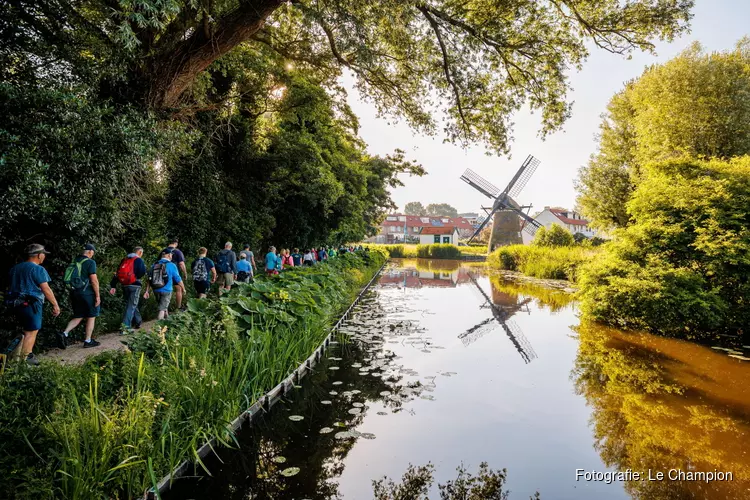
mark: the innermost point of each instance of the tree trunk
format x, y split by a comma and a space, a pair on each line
172, 72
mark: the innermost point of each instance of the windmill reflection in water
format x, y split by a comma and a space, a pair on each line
501, 314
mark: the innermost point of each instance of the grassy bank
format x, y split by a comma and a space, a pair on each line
434, 251
110, 427
542, 262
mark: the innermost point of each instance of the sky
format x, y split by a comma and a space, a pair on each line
717, 25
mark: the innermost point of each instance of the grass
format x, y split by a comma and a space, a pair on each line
542, 262
434, 251
111, 427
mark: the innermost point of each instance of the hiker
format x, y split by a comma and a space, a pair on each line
244, 269
202, 267
331, 253
163, 279
250, 258
286, 259
29, 286
178, 259
80, 276
226, 266
322, 254
271, 261
129, 274
297, 258
308, 259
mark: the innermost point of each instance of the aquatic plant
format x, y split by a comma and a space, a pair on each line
542, 262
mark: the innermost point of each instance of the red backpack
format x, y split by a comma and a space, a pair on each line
126, 271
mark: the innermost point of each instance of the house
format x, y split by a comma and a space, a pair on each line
400, 228
445, 234
568, 219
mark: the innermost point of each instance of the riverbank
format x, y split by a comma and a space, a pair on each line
110, 426
435, 251
555, 263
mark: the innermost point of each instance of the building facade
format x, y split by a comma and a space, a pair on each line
400, 228
431, 235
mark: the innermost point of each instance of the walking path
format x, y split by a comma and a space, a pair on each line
76, 354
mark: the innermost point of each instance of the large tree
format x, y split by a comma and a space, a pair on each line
415, 208
476, 61
441, 210
697, 106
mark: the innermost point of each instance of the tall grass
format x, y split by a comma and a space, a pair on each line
438, 251
432, 251
542, 262
110, 427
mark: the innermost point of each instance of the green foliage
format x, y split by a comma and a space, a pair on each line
555, 236
103, 428
396, 251
416, 482
681, 268
441, 210
693, 106
541, 261
415, 208
438, 251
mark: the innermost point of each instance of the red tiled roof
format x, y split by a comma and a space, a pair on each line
567, 220
438, 230
416, 221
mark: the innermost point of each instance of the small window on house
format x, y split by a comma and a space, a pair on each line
446, 239
402, 218
425, 220
437, 238
392, 217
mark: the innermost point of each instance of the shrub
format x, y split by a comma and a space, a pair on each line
555, 236
541, 261
438, 251
683, 266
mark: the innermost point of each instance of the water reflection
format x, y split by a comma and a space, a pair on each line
503, 306
664, 404
418, 273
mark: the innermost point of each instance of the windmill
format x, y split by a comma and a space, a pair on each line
506, 214
501, 316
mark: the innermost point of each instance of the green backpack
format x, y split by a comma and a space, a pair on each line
73, 278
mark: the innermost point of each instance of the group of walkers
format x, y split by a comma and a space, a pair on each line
29, 284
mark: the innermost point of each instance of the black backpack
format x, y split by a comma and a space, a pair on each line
158, 276
200, 272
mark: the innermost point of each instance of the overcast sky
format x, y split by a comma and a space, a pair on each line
717, 25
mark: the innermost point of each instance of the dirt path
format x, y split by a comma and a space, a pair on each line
76, 354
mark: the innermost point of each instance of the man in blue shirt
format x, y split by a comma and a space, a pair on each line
244, 269
297, 258
129, 274
272, 261
204, 273
171, 280
29, 286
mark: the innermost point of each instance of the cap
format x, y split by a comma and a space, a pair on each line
35, 249
166, 250
89, 246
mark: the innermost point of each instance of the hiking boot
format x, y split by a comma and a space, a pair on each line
69, 340
31, 360
60, 340
91, 343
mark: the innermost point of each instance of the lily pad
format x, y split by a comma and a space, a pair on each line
333, 367
339, 424
279, 459
382, 413
296, 418
355, 411
326, 430
291, 471
357, 405
343, 435
367, 435
325, 402
385, 393
356, 391
338, 382
333, 393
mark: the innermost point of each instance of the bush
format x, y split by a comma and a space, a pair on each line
540, 261
555, 236
683, 266
395, 251
438, 251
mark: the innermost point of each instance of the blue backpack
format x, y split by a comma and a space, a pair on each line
222, 262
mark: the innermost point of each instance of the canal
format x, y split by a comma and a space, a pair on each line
452, 365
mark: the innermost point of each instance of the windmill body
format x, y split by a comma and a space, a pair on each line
508, 217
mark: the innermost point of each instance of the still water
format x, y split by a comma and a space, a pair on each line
452, 365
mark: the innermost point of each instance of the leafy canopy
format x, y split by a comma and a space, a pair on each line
460, 67
697, 106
